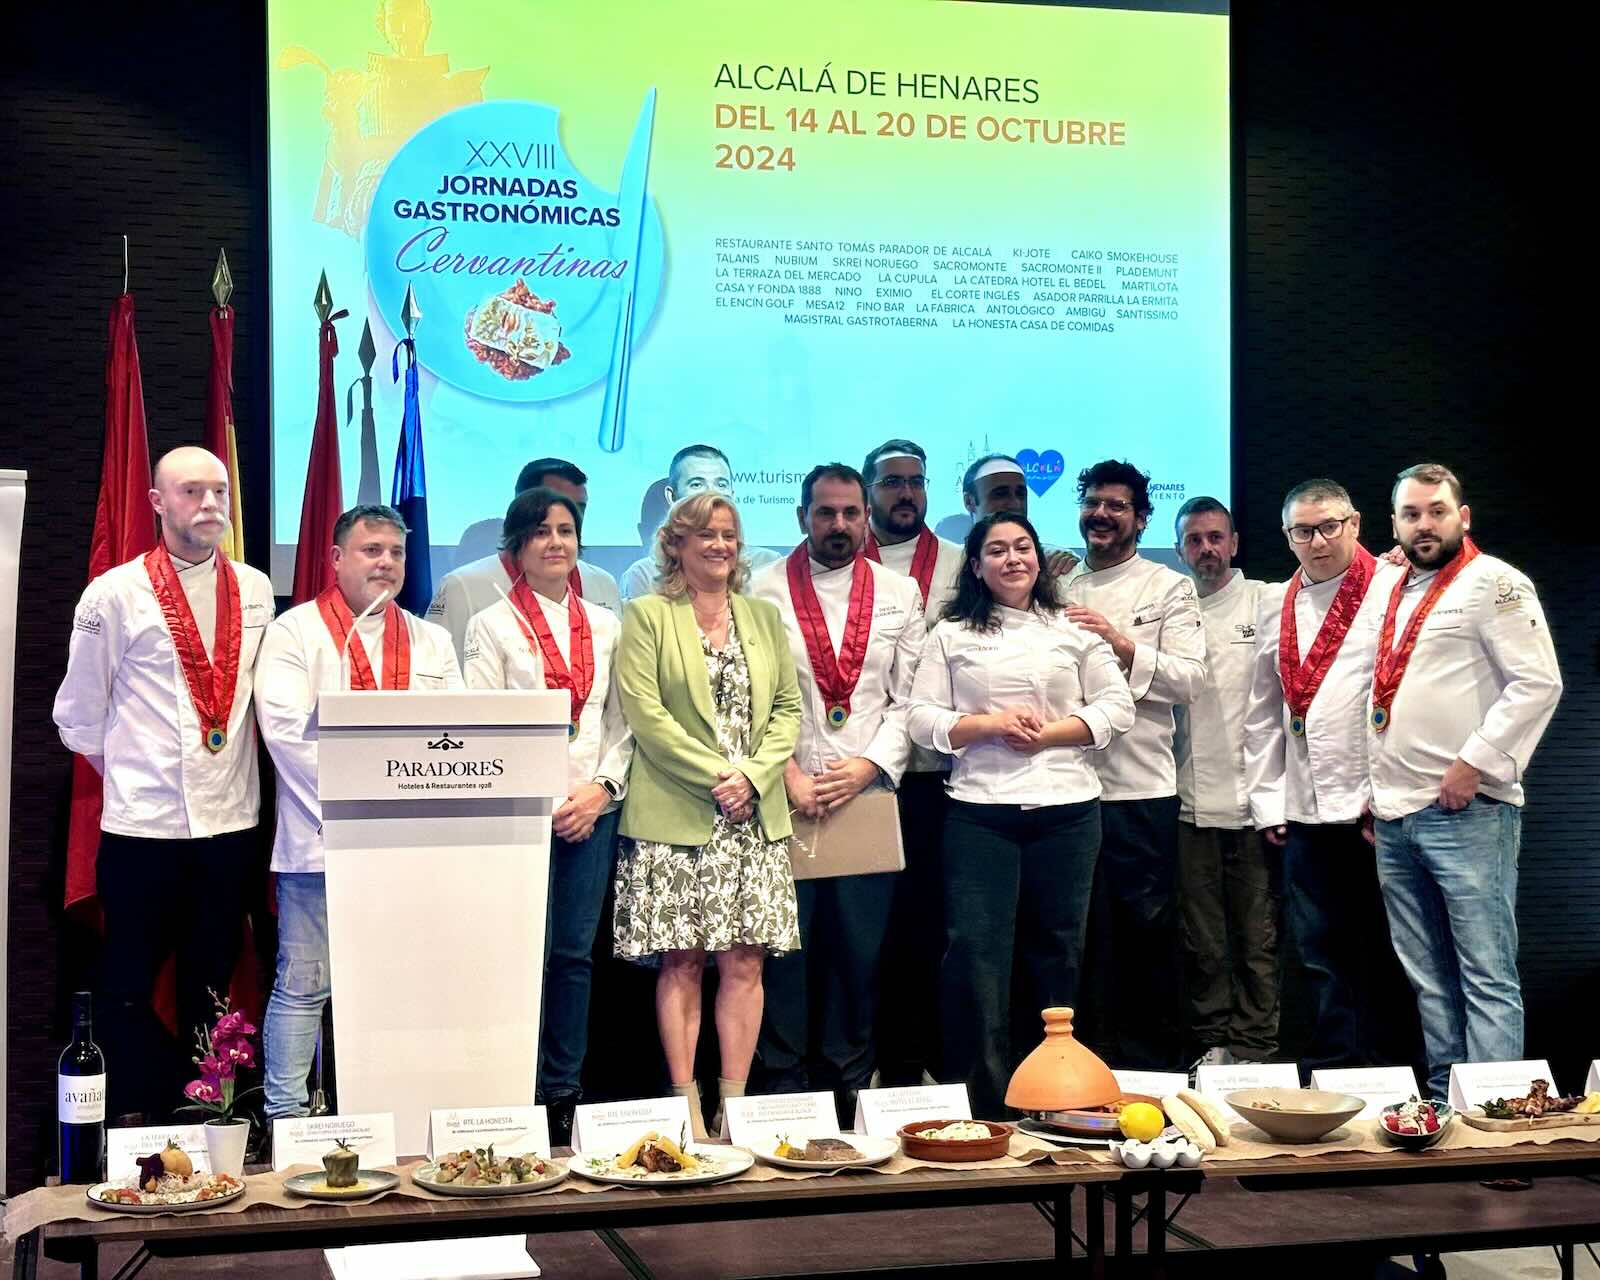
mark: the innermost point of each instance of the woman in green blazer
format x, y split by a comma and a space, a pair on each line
708, 687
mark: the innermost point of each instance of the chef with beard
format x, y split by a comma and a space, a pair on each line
856, 632
1148, 614
1465, 681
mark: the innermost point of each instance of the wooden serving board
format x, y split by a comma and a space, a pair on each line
1525, 1124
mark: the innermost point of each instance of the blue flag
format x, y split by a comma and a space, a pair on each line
409, 495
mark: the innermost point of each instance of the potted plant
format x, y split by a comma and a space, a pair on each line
224, 1051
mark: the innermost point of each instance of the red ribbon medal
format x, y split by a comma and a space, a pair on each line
396, 642
1391, 665
1301, 680
211, 681
836, 678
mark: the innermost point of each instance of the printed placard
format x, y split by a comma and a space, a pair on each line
1219, 1081
1474, 1083
1155, 1084
881, 1112
759, 1122
126, 1147
511, 1131
1378, 1087
484, 1258
615, 1126
1592, 1085
306, 1139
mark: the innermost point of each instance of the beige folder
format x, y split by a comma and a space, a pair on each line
862, 838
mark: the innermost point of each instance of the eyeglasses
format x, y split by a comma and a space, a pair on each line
1113, 506
1329, 529
898, 484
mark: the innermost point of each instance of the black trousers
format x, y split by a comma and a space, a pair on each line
1017, 885
1363, 1012
821, 1001
908, 1014
162, 898
1133, 970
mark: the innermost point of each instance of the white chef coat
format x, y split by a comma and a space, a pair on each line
942, 590
124, 703
500, 657
1322, 775
1153, 606
1035, 660
639, 578
876, 729
300, 661
471, 589
1482, 684
1211, 788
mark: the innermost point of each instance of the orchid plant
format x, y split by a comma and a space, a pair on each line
223, 1052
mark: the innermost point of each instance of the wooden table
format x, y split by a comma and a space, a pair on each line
400, 1218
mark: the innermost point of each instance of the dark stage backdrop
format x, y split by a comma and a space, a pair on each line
1405, 272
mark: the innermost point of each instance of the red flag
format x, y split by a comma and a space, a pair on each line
124, 527
219, 435
324, 497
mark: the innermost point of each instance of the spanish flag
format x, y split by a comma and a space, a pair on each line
219, 436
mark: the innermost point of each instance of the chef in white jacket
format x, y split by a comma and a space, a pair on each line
898, 537
475, 586
542, 635
1465, 683
301, 659
156, 697
856, 632
1148, 615
1305, 766
1227, 873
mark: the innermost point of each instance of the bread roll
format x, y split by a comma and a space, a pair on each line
1208, 1111
1189, 1123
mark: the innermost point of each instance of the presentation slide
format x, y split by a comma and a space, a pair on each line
790, 231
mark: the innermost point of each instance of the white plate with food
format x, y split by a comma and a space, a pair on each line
657, 1161
483, 1173
171, 1194
827, 1154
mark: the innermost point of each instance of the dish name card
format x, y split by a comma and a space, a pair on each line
1376, 1086
758, 1122
1155, 1084
881, 1112
511, 1131
616, 1126
306, 1139
1592, 1085
1474, 1083
1220, 1081
126, 1147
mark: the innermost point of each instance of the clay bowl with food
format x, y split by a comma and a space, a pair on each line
1406, 1124
1295, 1115
963, 1144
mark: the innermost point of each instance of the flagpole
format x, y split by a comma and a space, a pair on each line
409, 490
219, 429
324, 491
368, 490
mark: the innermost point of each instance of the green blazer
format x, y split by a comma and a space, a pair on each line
661, 678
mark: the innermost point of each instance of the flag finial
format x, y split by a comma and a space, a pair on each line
410, 313
368, 350
124, 263
324, 299
222, 279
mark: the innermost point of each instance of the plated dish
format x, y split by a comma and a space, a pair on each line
955, 1141
856, 1152
317, 1186
655, 1160
171, 1193
481, 1173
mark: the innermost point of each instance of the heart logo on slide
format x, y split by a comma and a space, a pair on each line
1041, 470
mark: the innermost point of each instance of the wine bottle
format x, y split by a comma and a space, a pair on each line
81, 1099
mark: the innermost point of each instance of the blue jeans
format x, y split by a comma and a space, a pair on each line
579, 875
1450, 882
299, 994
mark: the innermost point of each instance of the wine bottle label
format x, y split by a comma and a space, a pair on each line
81, 1099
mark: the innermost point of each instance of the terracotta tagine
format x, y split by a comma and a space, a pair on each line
1061, 1074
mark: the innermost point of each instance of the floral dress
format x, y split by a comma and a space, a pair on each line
737, 888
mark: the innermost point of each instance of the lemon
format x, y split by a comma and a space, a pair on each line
1141, 1121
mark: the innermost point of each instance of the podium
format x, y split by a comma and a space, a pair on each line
436, 822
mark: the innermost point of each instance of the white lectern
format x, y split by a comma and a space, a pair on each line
436, 819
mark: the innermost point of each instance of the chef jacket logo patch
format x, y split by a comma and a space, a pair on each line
1506, 593
1244, 631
